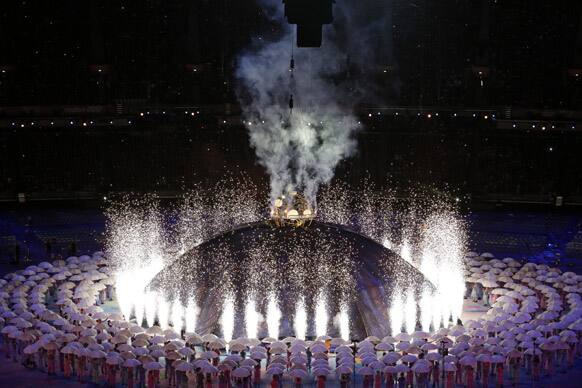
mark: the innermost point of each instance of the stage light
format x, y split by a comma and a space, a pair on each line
309, 16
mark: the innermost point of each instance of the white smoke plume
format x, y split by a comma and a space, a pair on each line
301, 149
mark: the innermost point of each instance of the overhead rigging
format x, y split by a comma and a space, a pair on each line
309, 16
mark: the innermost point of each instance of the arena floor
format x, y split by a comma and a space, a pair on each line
537, 236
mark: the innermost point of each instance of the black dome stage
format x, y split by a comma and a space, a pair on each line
260, 259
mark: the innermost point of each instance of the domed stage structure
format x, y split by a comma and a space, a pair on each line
262, 261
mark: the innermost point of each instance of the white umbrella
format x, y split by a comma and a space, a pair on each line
391, 358
241, 372
131, 363
208, 368
343, 370
185, 367
401, 368
403, 337
420, 367
153, 365
299, 374
321, 372
258, 356
384, 347
403, 346
409, 358
365, 371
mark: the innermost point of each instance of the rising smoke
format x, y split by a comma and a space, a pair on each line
300, 149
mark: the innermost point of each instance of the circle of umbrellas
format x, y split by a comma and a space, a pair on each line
52, 319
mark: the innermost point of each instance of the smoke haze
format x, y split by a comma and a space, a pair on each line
300, 150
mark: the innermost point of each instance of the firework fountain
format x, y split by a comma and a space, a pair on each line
300, 322
136, 231
227, 318
273, 317
205, 289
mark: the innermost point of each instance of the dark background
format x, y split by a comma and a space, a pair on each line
471, 156
528, 53
480, 96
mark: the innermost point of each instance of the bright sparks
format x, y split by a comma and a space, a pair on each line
191, 316
396, 314
321, 316
410, 311
405, 251
177, 316
163, 312
443, 248
300, 321
251, 319
344, 323
431, 238
426, 310
273, 317
150, 308
227, 319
